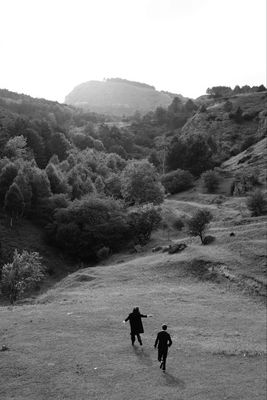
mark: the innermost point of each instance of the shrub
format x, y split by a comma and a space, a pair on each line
248, 116
202, 108
40, 186
14, 202
118, 149
16, 147
59, 145
197, 225
80, 182
228, 106
249, 141
23, 182
256, 203
23, 273
47, 208
235, 150
237, 115
88, 224
82, 141
244, 181
103, 253
7, 176
113, 186
177, 181
57, 182
140, 184
98, 145
142, 220
154, 159
208, 239
178, 224
99, 185
199, 155
210, 181
36, 143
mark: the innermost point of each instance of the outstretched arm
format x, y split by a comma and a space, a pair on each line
145, 315
126, 319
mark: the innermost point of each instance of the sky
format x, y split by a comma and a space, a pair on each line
47, 47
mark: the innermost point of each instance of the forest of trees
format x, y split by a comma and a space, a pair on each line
78, 180
226, 91
94, 186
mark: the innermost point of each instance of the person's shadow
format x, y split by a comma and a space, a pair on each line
143, 356
169, 379
173, 381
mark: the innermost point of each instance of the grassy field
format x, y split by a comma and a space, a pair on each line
71, 343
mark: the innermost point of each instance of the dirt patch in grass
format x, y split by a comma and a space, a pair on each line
240, 353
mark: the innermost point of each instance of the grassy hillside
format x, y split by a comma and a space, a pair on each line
71, 342
118, 97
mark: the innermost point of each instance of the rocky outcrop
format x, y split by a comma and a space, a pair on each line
229, 123
255, 157
173, 248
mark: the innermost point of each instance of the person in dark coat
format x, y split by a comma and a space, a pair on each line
135, 319
163, 342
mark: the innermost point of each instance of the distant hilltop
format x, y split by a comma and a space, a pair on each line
118, 96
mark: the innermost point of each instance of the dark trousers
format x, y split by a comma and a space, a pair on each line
138, 337
162, 356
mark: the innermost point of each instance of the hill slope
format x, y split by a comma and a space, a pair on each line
230, 123
71, 343
118, 97
253, 157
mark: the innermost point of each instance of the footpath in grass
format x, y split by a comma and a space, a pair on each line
73, 344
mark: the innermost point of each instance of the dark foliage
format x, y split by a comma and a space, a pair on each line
257, 203
226, 91
210, 181
193, 154
142, 220
198, 223
208, 240
7, 176
237, 115
14, 202
177, 181
249, 141
87, 225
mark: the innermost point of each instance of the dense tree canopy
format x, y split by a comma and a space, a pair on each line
140, 184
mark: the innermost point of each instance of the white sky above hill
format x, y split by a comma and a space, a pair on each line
184, 46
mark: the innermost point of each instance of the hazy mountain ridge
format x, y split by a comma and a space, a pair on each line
118, 96
14, 105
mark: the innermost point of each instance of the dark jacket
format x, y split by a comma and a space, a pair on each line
163, 340
136, 322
